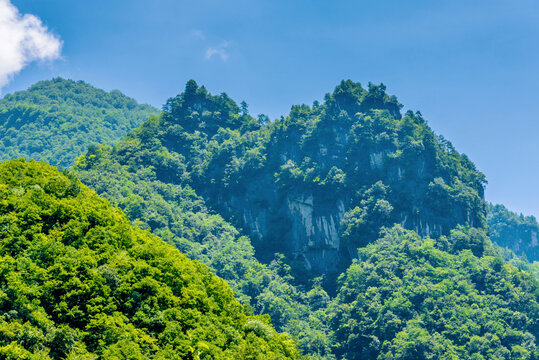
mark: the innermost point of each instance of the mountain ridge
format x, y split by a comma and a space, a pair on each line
353, 142
56, 120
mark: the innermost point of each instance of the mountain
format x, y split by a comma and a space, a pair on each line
57, 120
279, 210
517, 233
323, 181
78, 281
318, 184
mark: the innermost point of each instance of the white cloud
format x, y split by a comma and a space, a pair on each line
23, 39
220, 51
199, 34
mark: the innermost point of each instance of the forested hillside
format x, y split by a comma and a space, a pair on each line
78, 281
57, 120
412, 298
279, 210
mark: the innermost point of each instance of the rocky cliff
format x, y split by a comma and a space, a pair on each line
317, 184
323, 181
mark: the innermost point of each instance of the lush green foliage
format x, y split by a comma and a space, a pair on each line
356, 146
407, 298
57, 120
78, 281
180, 217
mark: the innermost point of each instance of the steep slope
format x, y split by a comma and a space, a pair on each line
407, 298
330, 176
57, 120
516, 232
179, 216
77, 280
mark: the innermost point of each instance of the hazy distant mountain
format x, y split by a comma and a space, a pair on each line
518, 233
57, 120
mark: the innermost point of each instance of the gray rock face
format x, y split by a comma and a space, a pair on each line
315, 230
299, 225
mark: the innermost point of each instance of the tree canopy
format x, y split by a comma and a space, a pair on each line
78, 281
407, 298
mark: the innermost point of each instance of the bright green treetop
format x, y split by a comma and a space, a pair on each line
78, 281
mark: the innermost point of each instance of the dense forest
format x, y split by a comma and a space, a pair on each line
356, 147
180, 217
56, 120
349, 224
412, 298
79, 281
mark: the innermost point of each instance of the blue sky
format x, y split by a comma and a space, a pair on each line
471, 67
